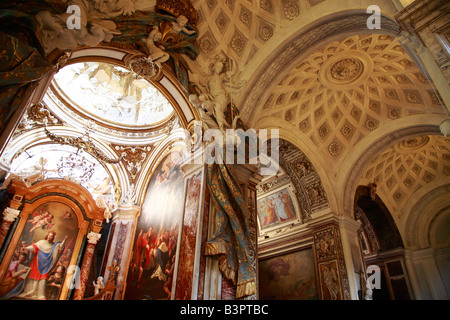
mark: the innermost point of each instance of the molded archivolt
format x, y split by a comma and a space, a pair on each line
37, 137
427, 209
310, 190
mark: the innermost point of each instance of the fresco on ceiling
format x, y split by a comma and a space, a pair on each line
288, 277
113, 94
39, 264
276, 208
155, 243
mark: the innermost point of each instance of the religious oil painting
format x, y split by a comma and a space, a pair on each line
152, 262
189, 237
277, 208
39, 264
288, 277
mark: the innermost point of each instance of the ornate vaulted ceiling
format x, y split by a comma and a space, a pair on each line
243, 27
340, 98
346, 90
344, 96
408, 166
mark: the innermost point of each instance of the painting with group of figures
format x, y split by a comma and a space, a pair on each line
288, 277
276, 208
150, 273
39, 264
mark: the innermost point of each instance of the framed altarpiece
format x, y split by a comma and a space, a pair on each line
43, 248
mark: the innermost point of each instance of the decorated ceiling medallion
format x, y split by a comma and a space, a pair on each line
414, 143
345, 70
112, 95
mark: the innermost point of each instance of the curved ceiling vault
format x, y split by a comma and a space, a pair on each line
401, 170
343, 97
348, 89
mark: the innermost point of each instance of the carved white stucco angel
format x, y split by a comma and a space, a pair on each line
218, 88
28, 175
104, 197
180, 25
157, 53
95, 24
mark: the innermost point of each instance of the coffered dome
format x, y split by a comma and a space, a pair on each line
407, 166
348, 89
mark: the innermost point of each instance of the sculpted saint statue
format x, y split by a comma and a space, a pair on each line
216, 96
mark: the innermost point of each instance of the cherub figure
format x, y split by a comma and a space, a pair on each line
180, 25
98, 285
157, 53
41, 220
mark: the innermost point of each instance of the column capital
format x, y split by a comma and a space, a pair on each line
349, 224
10, 214
412, 41
93, 237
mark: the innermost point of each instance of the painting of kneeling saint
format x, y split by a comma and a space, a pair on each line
38, 266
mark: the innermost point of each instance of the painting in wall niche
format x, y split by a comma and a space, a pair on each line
288, 277
276, 208
150, 273
40, 261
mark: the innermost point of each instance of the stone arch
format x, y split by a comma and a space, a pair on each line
354, 164
297, 170
421, 215
290, 137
